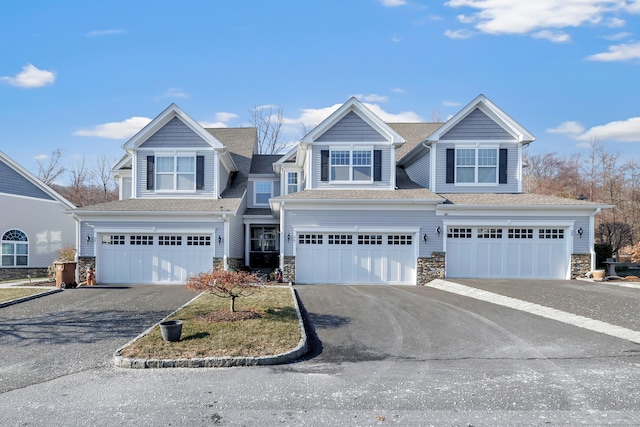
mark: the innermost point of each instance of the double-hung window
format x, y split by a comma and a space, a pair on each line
263, 192
292, 182
477, 165
176, 173
351, 165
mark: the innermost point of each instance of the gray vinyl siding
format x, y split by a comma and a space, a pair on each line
47, 226
316, 166
209, 174
441, 173
581, 244
236, 229
136, 227
477, 126
351, 128
420, 170
12, 182
126, 188
174, 134
381, 220
251, 194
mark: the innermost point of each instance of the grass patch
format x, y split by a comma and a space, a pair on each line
8, 294
270, 327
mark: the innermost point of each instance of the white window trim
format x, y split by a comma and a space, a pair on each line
255, 192
286, 182
351, 148
477, 147
175, 156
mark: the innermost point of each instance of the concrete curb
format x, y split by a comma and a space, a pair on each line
29, 297
215, 362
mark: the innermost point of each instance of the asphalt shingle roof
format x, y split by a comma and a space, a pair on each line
413, 133
263, 163
511, 199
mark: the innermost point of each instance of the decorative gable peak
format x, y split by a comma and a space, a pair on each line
352, 122
496, 124
176, 116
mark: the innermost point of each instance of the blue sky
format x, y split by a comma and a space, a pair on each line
84, 76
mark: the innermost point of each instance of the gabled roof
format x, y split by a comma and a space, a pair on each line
414, 134
262, 164
514, 200
34, 180
481, 102
357, 107
162, 119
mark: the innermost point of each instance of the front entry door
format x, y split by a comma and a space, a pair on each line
264, 247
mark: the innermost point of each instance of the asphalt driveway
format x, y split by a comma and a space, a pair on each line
78, 329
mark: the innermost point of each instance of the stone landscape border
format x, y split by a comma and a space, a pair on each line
29, 297
215, 362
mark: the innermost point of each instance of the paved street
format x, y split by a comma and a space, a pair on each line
381, 355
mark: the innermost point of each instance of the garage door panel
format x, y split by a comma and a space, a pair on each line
355, 258
511, 252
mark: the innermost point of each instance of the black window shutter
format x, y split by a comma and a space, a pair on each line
377, 165
151, 160
324, 165
451, 168
199, 172
502, 175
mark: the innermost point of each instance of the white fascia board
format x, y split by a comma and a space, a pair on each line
354, 229
125, 161
34, 180
124, 216
111, 229
512, 210
493, 111
341, 205
508, 222
162, 119
364, 113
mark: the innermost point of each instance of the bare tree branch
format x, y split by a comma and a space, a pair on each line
268, 121
50, 171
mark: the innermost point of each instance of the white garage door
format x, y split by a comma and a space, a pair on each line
355, 258
507, 252
162, 259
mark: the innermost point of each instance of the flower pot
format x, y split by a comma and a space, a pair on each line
171, 330
598, 274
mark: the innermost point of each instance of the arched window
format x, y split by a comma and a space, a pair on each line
15, 249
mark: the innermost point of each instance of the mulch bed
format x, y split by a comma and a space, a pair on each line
229, 316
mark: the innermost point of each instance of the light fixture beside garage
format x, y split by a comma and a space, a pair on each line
288, 236
88, 237
438, 230
219, 240
580, 231
424, 237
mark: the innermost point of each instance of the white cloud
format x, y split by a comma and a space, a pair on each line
618, 36
458, 34
398, 90
524, 17
116, 130
571, 128
618, 131
31, 77
621, 52
41, 157
556, 37
222, 120
110, 32
393, 3
396, 39
615, 22
450, 103
174, 92
372, 97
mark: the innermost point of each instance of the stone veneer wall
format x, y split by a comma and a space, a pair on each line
234, 263
430, 268
289, 269
580, 265
81, 268
22, 273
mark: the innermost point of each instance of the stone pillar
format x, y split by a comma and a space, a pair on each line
289, 269
218, 264
235, 263
580, 265
430, 268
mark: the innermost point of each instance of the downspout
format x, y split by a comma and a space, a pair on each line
592, 239
431, 168
226, 242
78, 242
282, 233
